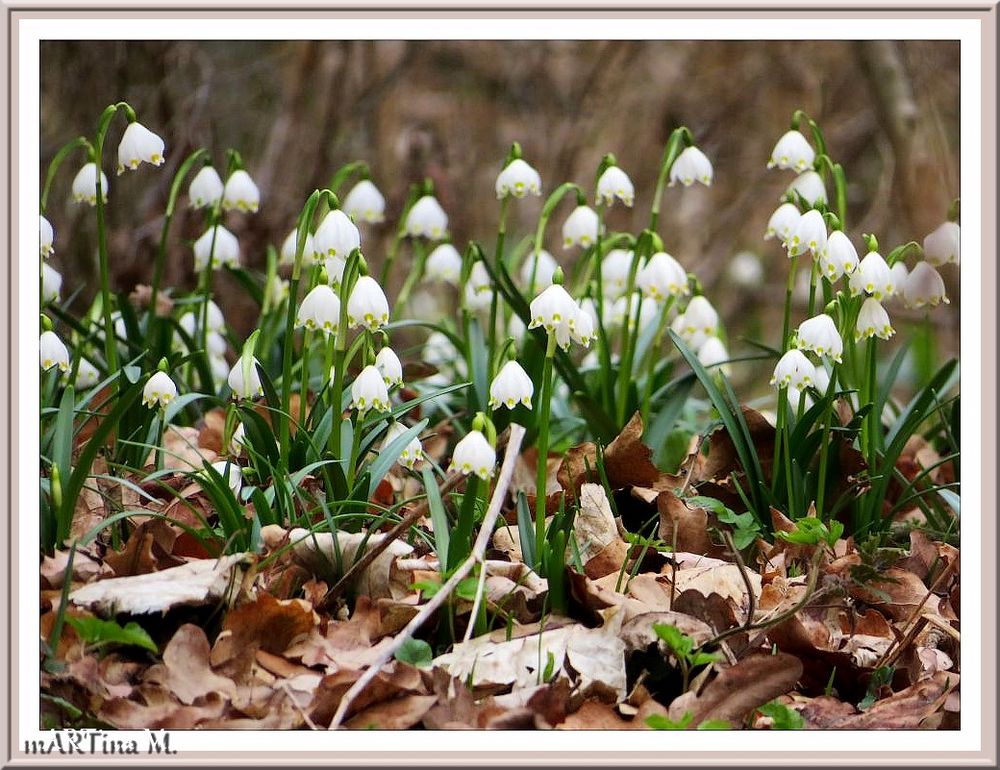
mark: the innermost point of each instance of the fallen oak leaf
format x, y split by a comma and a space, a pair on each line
186, 670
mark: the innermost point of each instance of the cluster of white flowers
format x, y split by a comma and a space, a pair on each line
561, 316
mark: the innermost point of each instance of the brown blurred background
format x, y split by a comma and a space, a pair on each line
449, 110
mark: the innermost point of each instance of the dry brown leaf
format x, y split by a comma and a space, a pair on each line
197, 582
739, 689
186, 671
629, 462
683, 527
898, 595
148, 549
904, 710
638, 633
722, 457
392, 681
182, 451
85, 568
159, 710
594, 526
397, 714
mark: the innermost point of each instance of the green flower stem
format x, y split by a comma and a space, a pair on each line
824, 446
542, 445
651, 358
603, 346
874, 419
160, 428
329, 353
824, 163
643, 244
355, 449
168, 215
782, 392
416, 273
678, 138
57, 160
494, 301
340, 345
814, 279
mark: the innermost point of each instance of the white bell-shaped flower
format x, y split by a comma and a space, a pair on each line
794, 370
439, 350
872, 277
810, 186
588, 306
808, 235
291, 243
334, 267
662, 276
644, 308
943, 245
139, 145
839, 257
45, 237
699, 315
792, 151
216, 323
819, 334
320, 310
84, 187
554, 310
615, 268
426, 219
797, 396
240, 192
510, 387
580, 228
219, 368
218, 244
516, 328
389, 366
86, 374
367, 305
478, 289
924, 287
782, 222
873, 321
713, 353
822, 379
745, 269
444, 264
159, 391
205, 190
691, 166
412, 453
518, 179
51, 283
692, 336
368, 391
614, 183
245, 388
581, 327
899, 273
216, 344
231, 472
537, 272
336, 236
473, 454
364, 203
52, 352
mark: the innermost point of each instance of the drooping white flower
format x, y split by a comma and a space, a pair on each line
645, 308
216, 323
872, 277
782, 222
473, 454
511, 386
216, 344
580, 228
614, 183
238, 442
924, 286
796, 396
745, 269
792, 151
554, 310
426, 219
810, 186
444, 264
52, 352
45, 237
368, 391
615, 269
86, 374
291, 243
320, 310
516, 328
334, 269
85, 185
691, 166
219, 244
943, 245
139, 145
819, 334
389, 366
821, 381
205, 190
662, 276
159, 391
412, 453
699, 315
873, 321
439, 350
839, 257
367, 305
713, 353
581, 327
794, 370
219, 368
808, 234
336, 236
518, 179
364, 203
51, 283
245, 388
899, 273
231, 472
478, 289
537, 272
240, 192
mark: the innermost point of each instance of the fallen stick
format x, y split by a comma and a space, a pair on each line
477, 556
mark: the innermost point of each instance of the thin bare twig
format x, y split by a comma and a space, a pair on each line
478, 555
